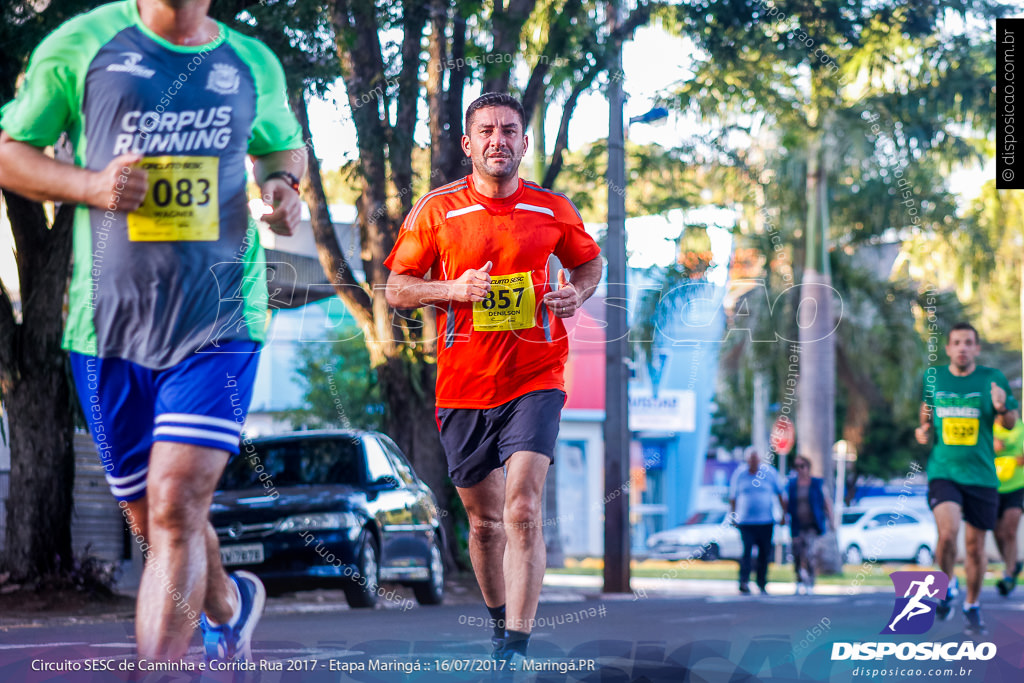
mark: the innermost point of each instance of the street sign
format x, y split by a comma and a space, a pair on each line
783, 435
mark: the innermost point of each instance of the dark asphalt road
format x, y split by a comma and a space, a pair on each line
727, 639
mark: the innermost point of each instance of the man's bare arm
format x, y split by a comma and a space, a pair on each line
924, 429
573, 291
409, 291
28, 171
277, 192
586, 276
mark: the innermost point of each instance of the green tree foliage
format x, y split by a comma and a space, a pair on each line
338, 392
833, 124
659, 180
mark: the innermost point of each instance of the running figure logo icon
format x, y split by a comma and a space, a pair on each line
917, 594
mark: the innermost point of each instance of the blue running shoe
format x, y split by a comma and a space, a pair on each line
975, 626
945, 607
234, 643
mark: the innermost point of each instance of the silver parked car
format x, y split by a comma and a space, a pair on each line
707, 535
887, 533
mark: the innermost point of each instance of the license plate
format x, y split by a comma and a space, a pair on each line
241, 554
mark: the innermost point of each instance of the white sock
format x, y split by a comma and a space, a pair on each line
969, 605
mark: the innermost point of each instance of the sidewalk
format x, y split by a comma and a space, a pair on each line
558, 586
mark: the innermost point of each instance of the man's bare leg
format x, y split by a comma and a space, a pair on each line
947, 519
180, 486
976, 561
220, 601
1006, 539
219, 605
484, 503
525, 554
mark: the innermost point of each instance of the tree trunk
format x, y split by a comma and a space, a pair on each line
816, 410
36, 395
506, 27
42, 473
437, 52
458, 164
540, 158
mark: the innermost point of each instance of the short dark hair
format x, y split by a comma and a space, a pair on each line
965, 326
495, 99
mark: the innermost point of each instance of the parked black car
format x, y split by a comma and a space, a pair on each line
327, 508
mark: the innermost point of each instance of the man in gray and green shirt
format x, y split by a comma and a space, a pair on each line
168, 297
960, 403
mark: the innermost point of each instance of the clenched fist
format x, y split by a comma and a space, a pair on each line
121, 186
473, 285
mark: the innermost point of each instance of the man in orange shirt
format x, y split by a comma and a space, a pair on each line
486, 240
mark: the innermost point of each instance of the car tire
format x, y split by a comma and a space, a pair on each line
712, 554
924, 556
361, 589
853, 555
431, 591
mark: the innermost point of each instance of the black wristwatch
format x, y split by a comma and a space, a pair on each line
1004, 411
289, 178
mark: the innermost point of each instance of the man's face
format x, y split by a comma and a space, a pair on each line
753, 461
962, 348
180, 4
495, 142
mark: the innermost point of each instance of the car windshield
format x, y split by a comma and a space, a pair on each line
852, 517
707, 517
299, 462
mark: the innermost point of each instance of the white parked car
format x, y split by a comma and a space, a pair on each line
707, 535
885, 533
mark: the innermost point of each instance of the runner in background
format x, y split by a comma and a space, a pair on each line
1009, 447
960, 403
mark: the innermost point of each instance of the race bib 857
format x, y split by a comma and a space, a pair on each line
510, 305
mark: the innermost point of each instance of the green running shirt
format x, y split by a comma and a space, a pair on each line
962, 418
186, 270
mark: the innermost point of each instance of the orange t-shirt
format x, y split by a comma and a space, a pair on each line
493, 351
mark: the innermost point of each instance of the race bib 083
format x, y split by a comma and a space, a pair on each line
960, 431
181, 203
510, 305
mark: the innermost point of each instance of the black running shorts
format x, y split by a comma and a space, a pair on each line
478, 441
1011, 499
980, 504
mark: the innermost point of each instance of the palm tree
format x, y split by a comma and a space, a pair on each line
848, 91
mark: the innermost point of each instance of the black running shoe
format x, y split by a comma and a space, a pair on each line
1006, 585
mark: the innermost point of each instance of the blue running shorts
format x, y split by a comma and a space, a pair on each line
202, 400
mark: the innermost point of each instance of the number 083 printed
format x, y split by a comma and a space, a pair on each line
181, 202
